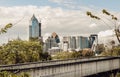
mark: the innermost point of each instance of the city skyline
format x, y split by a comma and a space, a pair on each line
56, 16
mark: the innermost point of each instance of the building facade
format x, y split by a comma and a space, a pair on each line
75, 42
34, 28
51, 42
82, 42
93, 38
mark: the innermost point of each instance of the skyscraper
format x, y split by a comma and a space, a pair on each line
93, 38
34, 28
51, 42
73, 40
55, 36
82, 42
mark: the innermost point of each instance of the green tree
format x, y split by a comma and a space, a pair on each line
10, 74
112, 52
101, 48
68, 55
18, 51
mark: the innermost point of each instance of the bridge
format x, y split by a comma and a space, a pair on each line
67, 68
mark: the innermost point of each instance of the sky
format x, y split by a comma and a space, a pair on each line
65, 17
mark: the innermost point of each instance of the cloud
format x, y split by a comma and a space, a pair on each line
106, 33
107, 36
92, 25
71, 4
53, 19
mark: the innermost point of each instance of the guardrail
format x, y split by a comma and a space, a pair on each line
40, 64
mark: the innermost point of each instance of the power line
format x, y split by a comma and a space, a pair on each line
19, 20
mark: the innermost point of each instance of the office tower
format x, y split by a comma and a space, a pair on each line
51, 42
85, 42
94, 43
82, 42
65, 44
73, 42
34, 28
69, 42
55, 36
93, 38
78, 42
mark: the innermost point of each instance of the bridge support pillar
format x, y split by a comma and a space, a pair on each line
105, 74
114, 73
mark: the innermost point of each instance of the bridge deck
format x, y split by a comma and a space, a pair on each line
84, 66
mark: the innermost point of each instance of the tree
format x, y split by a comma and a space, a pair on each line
74, 54
116, 27
111, 53
18, 51
101, 48
10, 74
87, 52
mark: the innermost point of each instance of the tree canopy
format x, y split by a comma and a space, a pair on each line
74, 54
18, 51
10, 74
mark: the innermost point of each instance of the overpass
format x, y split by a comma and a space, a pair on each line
67, 68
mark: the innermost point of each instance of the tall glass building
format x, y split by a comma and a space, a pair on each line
34, 28
82, 42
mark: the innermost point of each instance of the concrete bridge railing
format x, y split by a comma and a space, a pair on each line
67, 68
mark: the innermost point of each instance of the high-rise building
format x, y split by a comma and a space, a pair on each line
51, 42
73, 42
93, 38
55, 36
93, 44
78, 42
34, 28
69, 43
65, 43
82, 42
85, 42
65, 46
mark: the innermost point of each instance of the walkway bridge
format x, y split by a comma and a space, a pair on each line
67, 68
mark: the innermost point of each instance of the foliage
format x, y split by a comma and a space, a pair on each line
87, 52
34, 39
62, 55
116, 29
118, 75
18, 51
112, 52
10, 74
4, 30
107, 13
101, 48
92, 16
74, 54
67, 55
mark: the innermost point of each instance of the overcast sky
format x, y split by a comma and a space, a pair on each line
65, 17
